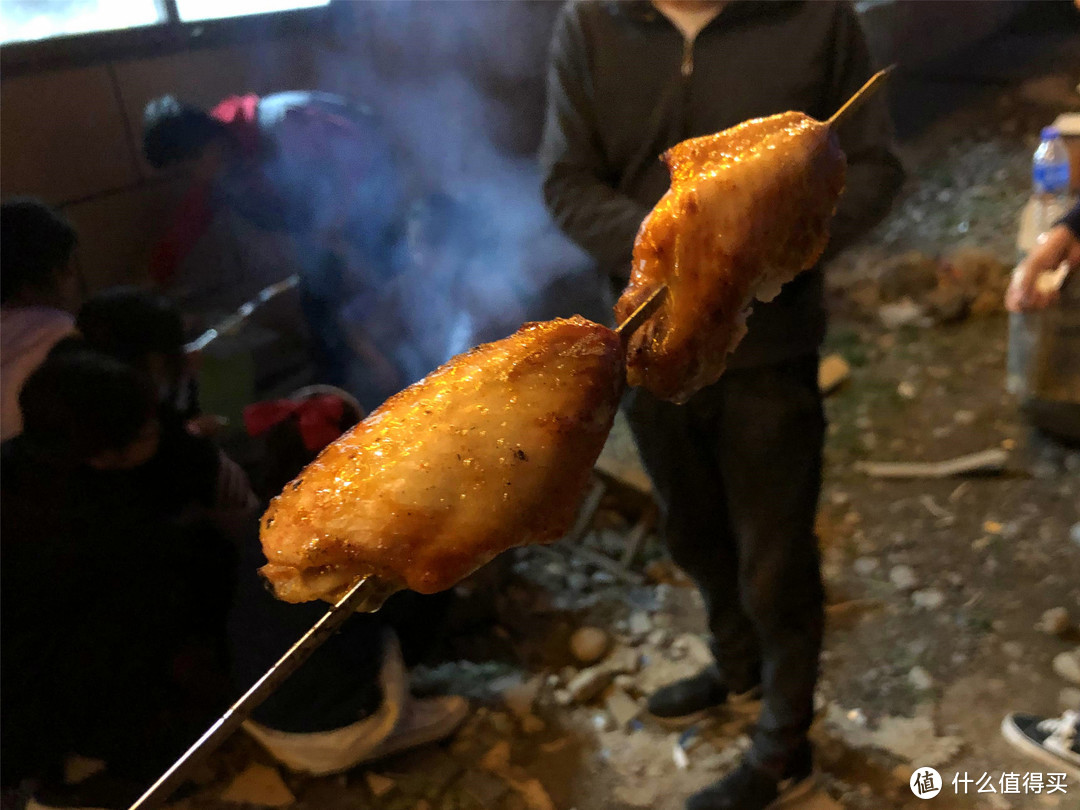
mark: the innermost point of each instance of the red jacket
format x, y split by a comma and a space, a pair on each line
196, 210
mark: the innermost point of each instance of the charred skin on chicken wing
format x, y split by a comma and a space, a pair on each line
748, 209
490, 451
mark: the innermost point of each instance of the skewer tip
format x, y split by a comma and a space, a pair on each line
861, 95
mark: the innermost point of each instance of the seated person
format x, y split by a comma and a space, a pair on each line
145, 330
349, 703
442, 241
35, 252
439, 302
113, 592
142, 328
455, 246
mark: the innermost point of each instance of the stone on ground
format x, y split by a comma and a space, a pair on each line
588, 644
259, 785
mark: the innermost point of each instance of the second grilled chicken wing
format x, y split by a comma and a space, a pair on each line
490, 451
747, 210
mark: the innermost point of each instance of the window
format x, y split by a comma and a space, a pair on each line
194, 10
28, 20
35, 20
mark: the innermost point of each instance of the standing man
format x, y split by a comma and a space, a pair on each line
738, 468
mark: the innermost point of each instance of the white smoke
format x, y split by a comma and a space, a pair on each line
459, 88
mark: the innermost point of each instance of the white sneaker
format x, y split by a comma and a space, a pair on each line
425, 720
400, 723
324, 752
1053, 740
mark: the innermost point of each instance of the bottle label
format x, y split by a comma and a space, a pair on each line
1050, 178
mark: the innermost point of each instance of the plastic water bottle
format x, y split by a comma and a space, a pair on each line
1048, 203
1049, 199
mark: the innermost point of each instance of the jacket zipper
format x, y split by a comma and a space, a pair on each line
687, 57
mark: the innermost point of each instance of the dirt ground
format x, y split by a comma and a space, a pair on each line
935, 587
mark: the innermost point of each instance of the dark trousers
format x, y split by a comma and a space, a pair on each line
737, 470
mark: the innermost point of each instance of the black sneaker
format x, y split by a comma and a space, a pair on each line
1053, 740
747, 788
688, 700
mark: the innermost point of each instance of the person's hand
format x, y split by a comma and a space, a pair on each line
207, 425
1057, 246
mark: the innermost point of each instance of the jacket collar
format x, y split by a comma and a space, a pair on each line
645, 13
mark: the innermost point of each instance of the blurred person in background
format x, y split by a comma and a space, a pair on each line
427, 313
738, 468
1045, 281
438, 302
349, 703
114, 592
305, 163
36, 244
1055, 741
443, 238
144, 329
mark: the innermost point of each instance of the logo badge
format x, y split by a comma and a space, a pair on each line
925, 783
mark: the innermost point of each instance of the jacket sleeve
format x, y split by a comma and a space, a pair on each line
192, 220
1072, 220
874, 173
577, 184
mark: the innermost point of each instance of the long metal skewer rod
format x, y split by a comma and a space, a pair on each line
367, 589
367, 595
643, 312
861, 95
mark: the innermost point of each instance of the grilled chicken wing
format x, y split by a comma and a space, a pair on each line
490, 451
748, 209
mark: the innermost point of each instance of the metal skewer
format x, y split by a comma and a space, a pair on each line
643, 312
366, 596
861, 95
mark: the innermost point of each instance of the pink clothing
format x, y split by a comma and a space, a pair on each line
26, 335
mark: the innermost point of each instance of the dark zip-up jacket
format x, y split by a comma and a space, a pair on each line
624, 85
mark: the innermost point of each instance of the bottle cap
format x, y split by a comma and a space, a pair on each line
1049, 133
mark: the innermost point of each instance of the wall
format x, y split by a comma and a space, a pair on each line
438, 70
72, 136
